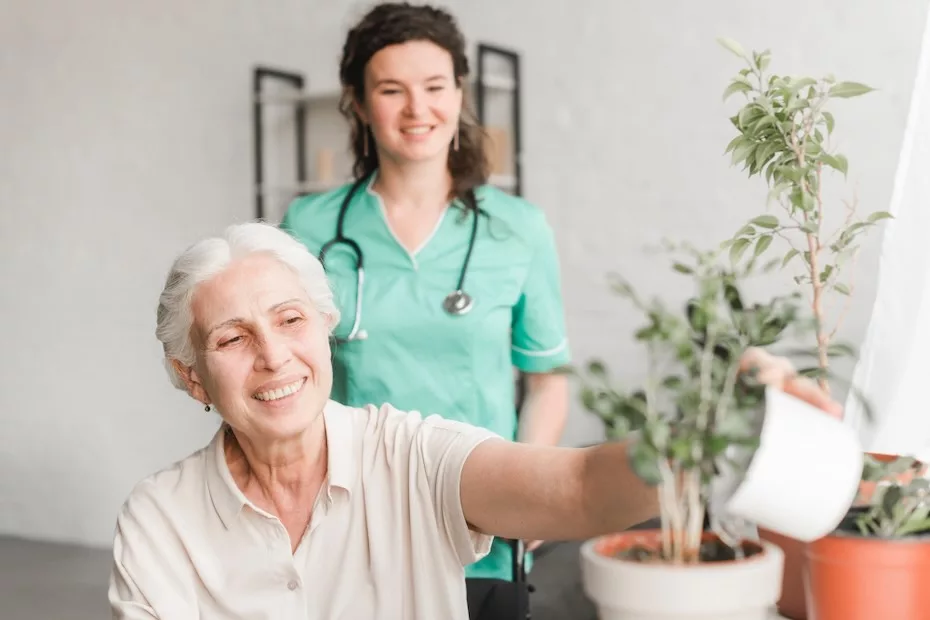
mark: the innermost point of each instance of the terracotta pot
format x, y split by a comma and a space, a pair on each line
629, 590
850, 577
792, 603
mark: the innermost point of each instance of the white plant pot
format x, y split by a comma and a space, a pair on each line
737, 590
802, 479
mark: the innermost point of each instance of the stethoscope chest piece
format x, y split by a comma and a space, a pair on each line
458, 303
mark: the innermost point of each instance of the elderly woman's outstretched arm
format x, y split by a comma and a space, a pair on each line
550, 493
541, 492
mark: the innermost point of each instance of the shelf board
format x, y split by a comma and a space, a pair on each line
499, 82
300, 98
501, 181
491, 82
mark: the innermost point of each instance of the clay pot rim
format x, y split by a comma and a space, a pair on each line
723, 565
909, 540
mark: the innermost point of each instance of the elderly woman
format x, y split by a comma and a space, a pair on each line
301, 507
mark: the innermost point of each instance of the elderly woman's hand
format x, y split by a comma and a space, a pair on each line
778, 372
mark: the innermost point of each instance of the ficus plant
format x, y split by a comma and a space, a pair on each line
784, 129
696, 404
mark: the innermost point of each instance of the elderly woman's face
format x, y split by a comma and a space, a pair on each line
263, 355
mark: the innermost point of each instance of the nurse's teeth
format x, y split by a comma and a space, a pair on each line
287, 390
417, 130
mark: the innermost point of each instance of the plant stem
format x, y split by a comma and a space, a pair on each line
673, 508
813, 243
813, 247
664, 510
695, 515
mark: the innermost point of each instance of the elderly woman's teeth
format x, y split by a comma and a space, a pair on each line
287, 390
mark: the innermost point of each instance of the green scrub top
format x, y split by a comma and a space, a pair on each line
416, 356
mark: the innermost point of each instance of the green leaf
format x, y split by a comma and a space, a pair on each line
766, 221
837, 162
845, 90
809, 227
742, 152
777, 190
672, 382
738, 248
645, 463
879, 215
733, 46
797, 85
746, 231
792, 173
737, 86
621, 287
762, 123
716, 445
597, 402
890, 499
734, 143
841, 288
761, 59
762, 245
657, 433
840, 349
912, 527
791, 254
831, 122
747, 116
680, 449
680, 268
597, 368
647, 333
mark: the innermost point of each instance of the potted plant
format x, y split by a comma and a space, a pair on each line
783, 131
877, 563
699, 421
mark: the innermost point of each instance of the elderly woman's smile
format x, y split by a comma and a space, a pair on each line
272, 393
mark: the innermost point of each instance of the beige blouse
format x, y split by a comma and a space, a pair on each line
387, 539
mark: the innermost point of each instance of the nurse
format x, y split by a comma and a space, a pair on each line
445, 283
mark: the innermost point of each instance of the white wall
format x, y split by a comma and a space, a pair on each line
126, 134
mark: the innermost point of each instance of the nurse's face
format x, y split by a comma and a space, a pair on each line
263, 355
412, 101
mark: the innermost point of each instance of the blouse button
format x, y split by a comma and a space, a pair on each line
291, 585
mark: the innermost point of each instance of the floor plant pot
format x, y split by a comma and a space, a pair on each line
851, 577
792, 603
729, 589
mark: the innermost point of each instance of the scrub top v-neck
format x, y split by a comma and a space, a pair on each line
417, 356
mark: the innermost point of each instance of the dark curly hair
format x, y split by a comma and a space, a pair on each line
392, 23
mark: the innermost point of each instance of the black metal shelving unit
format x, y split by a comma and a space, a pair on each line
260, 76
512, 58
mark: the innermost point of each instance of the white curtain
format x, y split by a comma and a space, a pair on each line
894, 367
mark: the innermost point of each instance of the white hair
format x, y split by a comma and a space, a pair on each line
208, 258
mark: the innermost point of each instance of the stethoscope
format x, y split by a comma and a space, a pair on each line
456, 303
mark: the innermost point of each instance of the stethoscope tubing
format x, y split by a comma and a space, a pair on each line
457, 302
